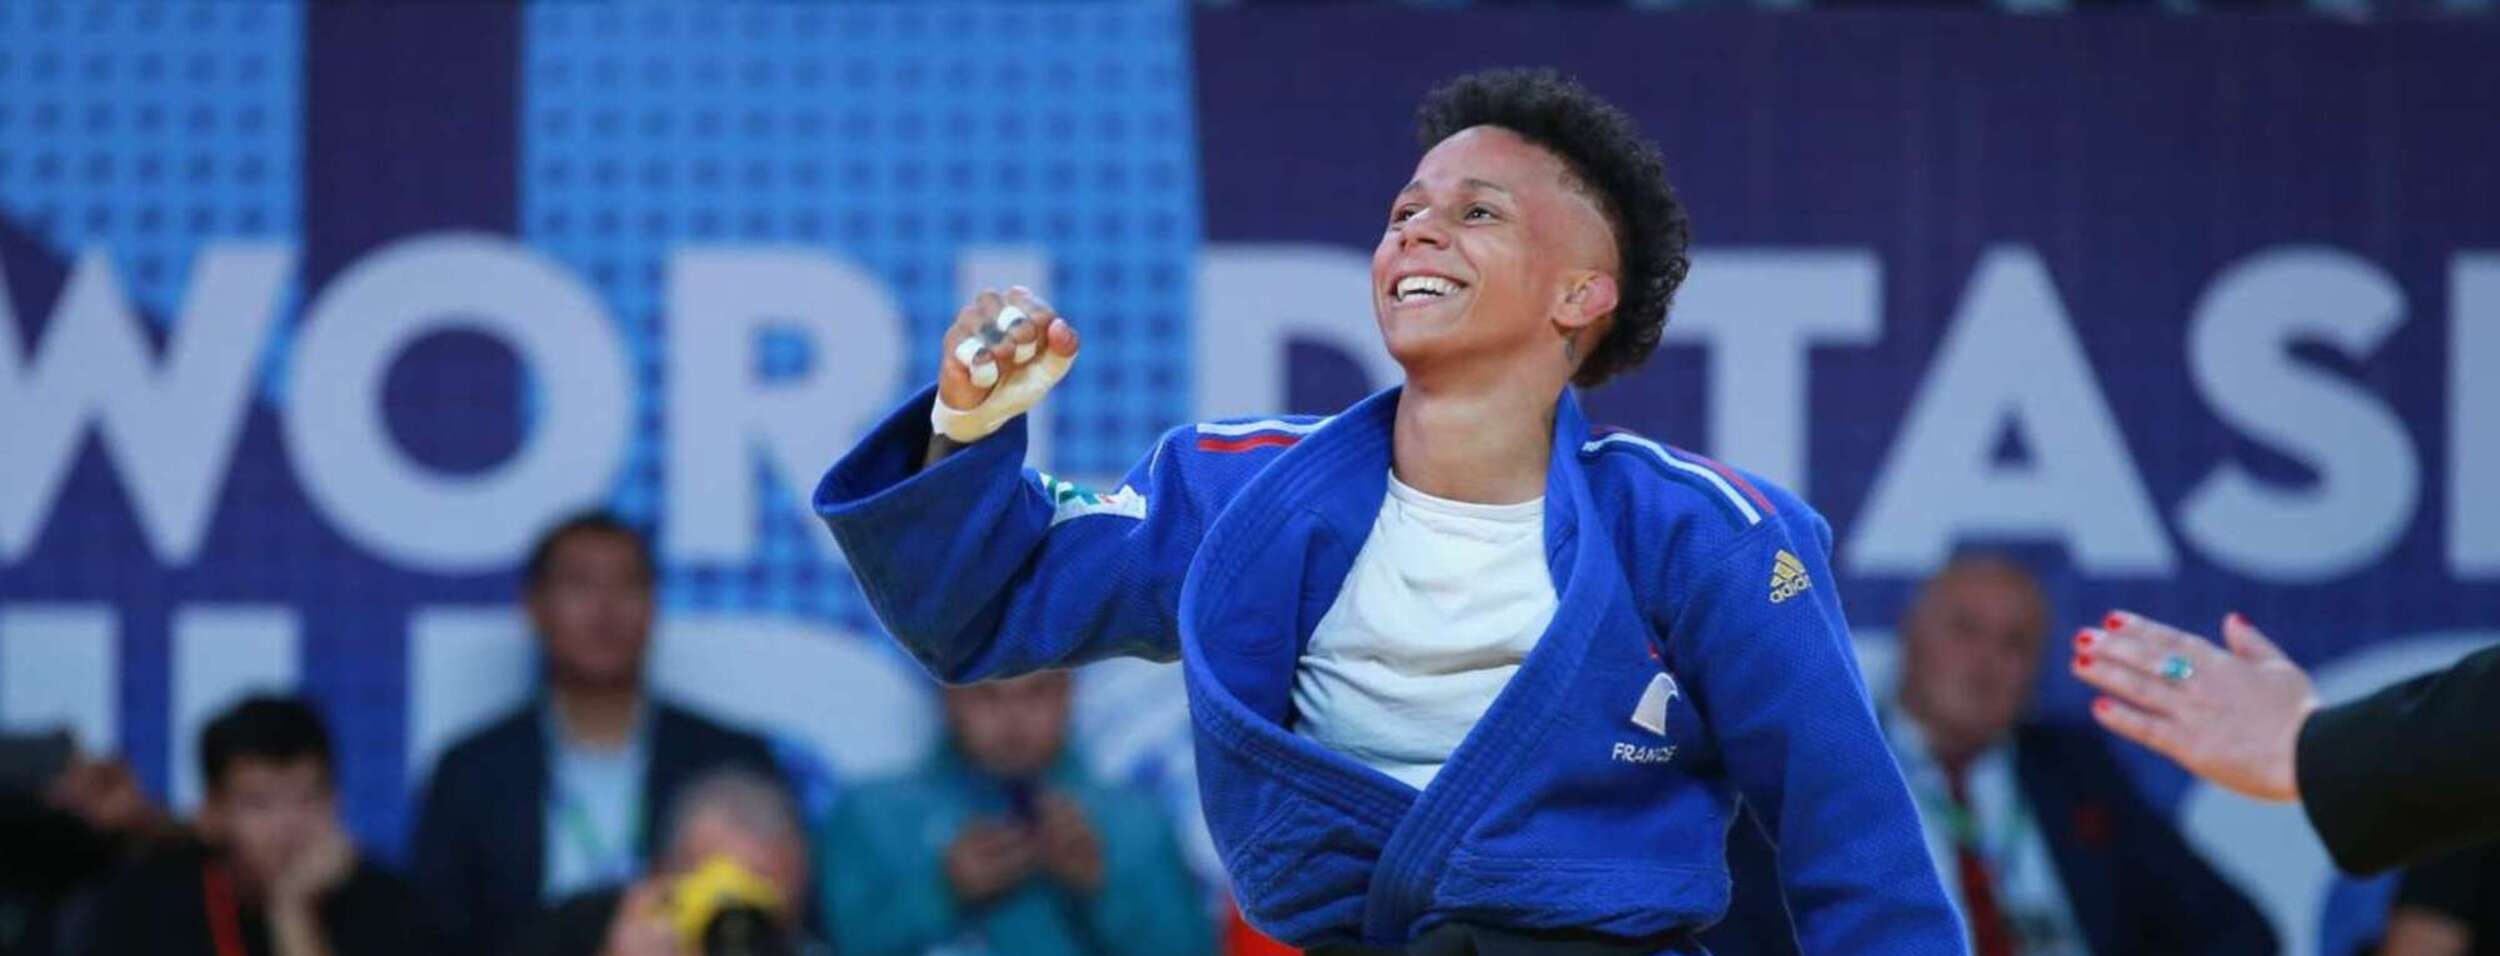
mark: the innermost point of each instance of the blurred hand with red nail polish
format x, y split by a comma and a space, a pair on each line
2230, 716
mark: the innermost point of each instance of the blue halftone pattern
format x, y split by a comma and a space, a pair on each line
149, 128
895, 136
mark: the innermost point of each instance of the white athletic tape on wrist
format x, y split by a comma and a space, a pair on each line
1011, 398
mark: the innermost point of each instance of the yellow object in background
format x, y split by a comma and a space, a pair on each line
718, 886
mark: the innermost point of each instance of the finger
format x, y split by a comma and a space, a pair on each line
2168, 639
1026, 333
999, 333
980, 366
968, 318
1022, 854
975, 316
2128, 647
966, 350
1000, 854
2142, 726
1032, 304
1062, 337
990, 835
958, 332
1022, 310
2247, 642
1029, 333
1006, 355
985, 307
1077, 839
2129, 685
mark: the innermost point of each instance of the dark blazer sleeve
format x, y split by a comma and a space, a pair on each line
2186, 907
2133, 884
2454, 885
2409, 771
575, 927
372, 914
437, 858
685, 746
473, 862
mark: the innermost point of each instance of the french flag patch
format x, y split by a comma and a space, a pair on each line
1261, 433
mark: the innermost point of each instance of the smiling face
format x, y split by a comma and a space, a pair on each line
1492, 259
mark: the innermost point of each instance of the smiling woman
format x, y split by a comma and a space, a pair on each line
1605, 162
1467, 675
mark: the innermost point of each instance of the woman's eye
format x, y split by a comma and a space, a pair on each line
1402, 214
1476, 213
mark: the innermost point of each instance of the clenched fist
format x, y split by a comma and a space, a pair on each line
1002, 355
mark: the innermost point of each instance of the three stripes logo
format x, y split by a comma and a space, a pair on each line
1788, 577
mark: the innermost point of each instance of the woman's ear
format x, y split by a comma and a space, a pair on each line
1590, 297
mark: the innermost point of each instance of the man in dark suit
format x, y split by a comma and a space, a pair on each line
564, 794
2035, 828
2395, 777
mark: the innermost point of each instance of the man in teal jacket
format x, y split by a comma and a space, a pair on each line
1002, 844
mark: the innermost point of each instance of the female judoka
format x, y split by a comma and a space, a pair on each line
1466, 674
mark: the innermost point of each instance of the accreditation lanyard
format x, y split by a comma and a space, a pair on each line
225, 919
609, 861
1962, 827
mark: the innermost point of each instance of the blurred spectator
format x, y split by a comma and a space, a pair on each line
1003, 844
563, 795
731, 818
276, 874
66, 819
2034, 827
2449, 906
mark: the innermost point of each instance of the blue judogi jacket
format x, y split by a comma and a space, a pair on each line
1577, 802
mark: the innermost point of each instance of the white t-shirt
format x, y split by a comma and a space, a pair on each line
1444, 601
594, 813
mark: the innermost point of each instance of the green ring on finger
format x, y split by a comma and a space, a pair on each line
2176, 669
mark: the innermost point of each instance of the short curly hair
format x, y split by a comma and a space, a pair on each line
1612, 163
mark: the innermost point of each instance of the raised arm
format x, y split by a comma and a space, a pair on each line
981, 567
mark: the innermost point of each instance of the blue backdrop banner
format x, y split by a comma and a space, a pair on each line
315, 314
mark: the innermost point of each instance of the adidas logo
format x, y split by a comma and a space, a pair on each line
1788, 577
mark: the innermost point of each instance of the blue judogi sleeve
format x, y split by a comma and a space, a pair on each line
1778, 684
983, 568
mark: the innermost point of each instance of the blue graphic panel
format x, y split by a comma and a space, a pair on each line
894, 136
144, 132
145, 129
